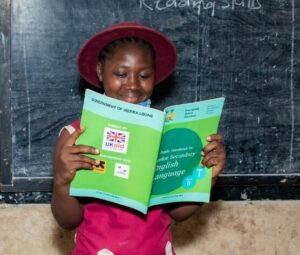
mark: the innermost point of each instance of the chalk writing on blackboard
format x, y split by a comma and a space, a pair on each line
200, 6
4, 42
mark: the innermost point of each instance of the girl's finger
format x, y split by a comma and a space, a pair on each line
75, 149
73, 137
210, 161
213, 154
76, 160
84, 165
85, 159
214, 137
212, 146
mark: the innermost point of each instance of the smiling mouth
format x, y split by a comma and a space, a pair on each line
131, 94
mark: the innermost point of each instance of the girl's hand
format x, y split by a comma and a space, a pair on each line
68, 157
214, 154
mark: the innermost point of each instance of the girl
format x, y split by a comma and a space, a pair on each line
127, 60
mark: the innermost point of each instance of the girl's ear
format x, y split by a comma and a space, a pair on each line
99, 71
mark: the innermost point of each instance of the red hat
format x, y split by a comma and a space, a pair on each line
165, 51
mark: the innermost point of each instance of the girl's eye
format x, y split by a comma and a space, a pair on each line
144, 76
120, 75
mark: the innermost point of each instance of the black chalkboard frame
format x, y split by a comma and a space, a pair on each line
5, 114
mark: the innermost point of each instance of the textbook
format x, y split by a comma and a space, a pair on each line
147, 156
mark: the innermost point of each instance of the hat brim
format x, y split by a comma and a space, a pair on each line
165, 50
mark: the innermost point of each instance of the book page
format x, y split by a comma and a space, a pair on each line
179, 175
128, 138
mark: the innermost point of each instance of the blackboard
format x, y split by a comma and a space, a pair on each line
245, 50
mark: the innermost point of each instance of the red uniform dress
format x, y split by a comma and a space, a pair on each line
109, 229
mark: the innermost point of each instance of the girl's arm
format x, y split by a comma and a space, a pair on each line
214, 156
67, 158
182, 211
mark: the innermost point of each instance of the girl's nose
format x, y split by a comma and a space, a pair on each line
133, 81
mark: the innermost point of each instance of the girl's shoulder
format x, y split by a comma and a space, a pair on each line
71, 127
75, 124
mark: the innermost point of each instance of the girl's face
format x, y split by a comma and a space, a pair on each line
128, 74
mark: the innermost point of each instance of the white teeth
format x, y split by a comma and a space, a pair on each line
131, 95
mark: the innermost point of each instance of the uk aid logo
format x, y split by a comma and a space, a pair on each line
115, 140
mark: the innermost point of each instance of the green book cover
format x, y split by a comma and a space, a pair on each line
147, 156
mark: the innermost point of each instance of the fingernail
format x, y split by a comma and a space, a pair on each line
202, 153
97, 151
208, 138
